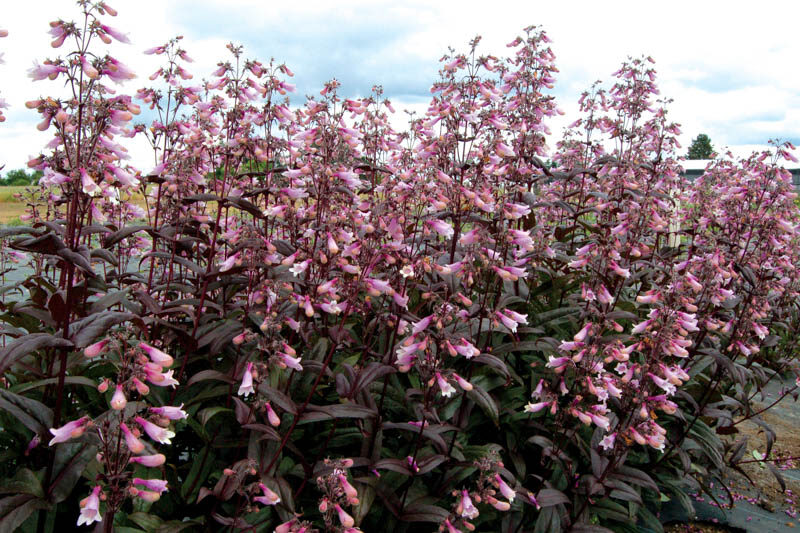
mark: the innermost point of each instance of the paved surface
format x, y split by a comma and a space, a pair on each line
746, 515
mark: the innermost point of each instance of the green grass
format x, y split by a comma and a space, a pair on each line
7, 193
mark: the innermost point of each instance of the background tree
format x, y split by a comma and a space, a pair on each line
20, 177
701, 148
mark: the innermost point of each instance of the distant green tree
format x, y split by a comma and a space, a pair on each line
701, 148
20, 177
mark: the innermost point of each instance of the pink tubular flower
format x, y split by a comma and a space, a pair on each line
445, 388
149, 461
603, 296
510, 273
558, 363
470, 237
118, 400
467, 349
157, 433
88, 68
535, 407
289, 361
505, 150
406, 355
229, 262
581, 335
116, 34
246, 388
618, 270
641, 326
465, 507
90, 508
608, 441
269, 497
441, 227
70, 430
157, 485
89, 186
134, 444
173, 413
687, 321
507, 492
421, 325
376, 287
619, 229
118, 71
157, 356
162, 380
93, 350
39, 72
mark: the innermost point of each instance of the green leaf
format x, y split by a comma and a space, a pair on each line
328, 412
14, 510
69, 380
550, 497
278, 398
204, 375
32, 342
424, 513
209, 412
485, 402
70, 462
114, 238
201, 467
32, 414
24, 482
86, 331
147, 521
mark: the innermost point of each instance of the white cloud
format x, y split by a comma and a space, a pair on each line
729, 67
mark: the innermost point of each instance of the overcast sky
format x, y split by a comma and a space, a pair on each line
731, 68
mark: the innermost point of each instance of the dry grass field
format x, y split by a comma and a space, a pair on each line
11, 208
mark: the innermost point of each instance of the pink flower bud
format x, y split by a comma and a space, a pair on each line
345, 519
134, 445
497, 504
141, 388
149, 461
463, 383
286, 527
149, 496
349, 491
272, 416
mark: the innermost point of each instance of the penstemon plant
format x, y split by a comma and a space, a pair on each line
303, 320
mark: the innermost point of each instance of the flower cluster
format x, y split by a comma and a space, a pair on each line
307, 282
